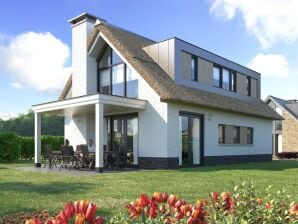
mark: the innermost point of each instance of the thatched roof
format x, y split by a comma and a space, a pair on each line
66, 88
131, 45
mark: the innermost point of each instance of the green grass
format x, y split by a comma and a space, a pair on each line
29, 191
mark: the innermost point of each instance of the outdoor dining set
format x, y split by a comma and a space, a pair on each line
81, 158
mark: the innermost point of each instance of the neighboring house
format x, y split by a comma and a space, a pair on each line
170, 103
285, 132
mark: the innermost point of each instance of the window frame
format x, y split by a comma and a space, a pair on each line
110, 67
248, 85
194, 75
222, 129
231, 74
236, 139
250, 140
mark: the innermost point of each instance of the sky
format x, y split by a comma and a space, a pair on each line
35, 40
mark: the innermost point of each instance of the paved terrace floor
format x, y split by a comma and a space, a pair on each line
75, 172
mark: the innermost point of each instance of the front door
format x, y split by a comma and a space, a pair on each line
191, 137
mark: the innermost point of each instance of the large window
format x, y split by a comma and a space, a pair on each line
115, 77
194, 68
224, 78
231, 134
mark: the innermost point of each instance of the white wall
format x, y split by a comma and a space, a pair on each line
84, 67
152, 123
75, 129
262, 132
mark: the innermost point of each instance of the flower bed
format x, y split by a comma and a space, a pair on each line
241, 206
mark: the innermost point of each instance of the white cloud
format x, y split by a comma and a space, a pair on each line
270, 65
35, 60
7, 116
268, 20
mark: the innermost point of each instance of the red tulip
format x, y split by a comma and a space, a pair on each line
259, 201
157, 197
83, 206
172, 200
294, 209
33, 221
69, 210
80, 219
164, 196
153, 210
133, 210
99, 220
90, 213
144, 200
225, 196
62, 218
214, 196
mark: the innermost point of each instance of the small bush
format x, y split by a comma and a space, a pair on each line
287, 155
9, 146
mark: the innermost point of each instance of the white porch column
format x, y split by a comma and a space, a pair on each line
37, 139
99, 134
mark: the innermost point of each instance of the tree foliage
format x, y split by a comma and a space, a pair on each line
23, 125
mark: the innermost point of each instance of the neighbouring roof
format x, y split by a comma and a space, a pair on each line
290, 106
66, 88
131, 45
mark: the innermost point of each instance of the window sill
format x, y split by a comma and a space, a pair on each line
242, 145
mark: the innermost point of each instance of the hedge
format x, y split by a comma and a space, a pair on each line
9, 146
14, 147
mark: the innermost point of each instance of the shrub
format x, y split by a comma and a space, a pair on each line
54, 141
27, 147
9, 146
287, 155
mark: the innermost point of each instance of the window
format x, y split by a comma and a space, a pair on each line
248, 86
249, 135
114, 77
224, 78
131, 83
194, 68
236, 134
231, 134
118, 80
278, 125
104, 80
221, 133
216, 77
233, 82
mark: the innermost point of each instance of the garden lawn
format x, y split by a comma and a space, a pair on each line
29, 191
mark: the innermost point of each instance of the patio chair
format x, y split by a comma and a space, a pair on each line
51, 159
69, 160
88, 160
121, 156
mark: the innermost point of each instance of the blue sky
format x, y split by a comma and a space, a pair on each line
35, 40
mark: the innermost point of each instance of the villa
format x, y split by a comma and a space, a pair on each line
170, 103
285, 132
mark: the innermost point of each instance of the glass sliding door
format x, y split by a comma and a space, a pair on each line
191, 138
123, 137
